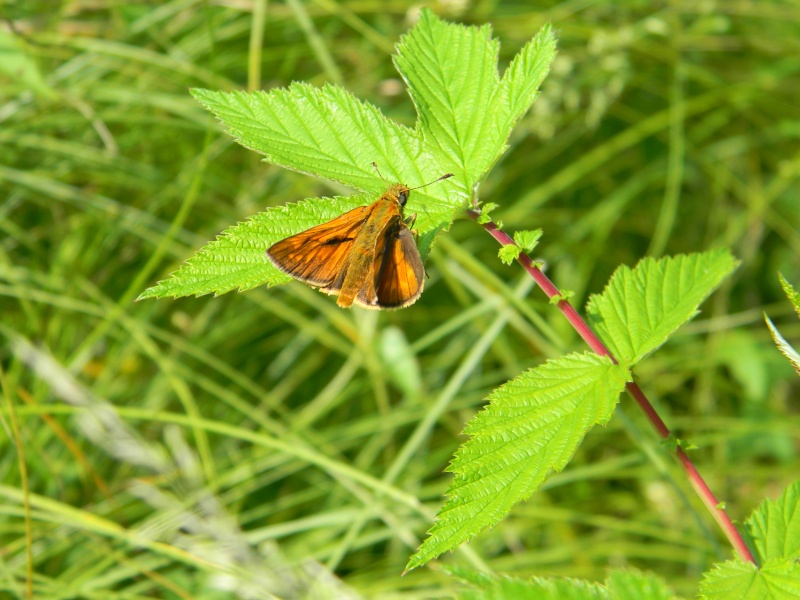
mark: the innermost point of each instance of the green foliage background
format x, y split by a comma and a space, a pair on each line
278, 421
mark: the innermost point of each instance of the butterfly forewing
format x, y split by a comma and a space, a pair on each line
318, 256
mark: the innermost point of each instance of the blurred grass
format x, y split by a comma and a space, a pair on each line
166, 442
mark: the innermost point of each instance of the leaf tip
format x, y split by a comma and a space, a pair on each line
149, 293
200, 93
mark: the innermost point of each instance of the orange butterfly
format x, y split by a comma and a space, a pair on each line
367, 256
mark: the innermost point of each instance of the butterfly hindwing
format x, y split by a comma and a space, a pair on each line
400, 275
318, 256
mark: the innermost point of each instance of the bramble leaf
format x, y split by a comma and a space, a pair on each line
634, 585
562, 295
527, 240
775, 526
466, 111
531, 427
237, 259
484, 217
619, 585
776, 579
509, 253
790, 353
791, 293
503, 588
329, 133
641, 307
783, 346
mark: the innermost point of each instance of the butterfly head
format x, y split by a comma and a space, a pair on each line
398, 192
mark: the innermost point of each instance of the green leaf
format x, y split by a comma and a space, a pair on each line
790, 353
466, 112
329, 133
619, 585
507, 588
562, 295
737, 580
641, 307
509, 253
634, 585
237, 259
520, 84
794, 296
775, 526
501, 587
527, 240
484, 217
531, 427
783, 346
453, 106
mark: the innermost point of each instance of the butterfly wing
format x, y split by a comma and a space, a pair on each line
400, 275
367, 296
318, 256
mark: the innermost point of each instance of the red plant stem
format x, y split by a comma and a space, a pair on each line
583, 329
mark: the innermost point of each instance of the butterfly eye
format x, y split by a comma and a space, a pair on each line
402, 197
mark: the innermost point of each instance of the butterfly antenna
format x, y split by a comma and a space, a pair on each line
374, 164
445, 176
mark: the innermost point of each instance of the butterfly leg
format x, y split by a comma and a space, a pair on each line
410, 220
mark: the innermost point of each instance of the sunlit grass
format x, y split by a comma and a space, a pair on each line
249, 432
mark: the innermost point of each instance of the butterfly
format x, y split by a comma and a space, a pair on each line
367, 256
